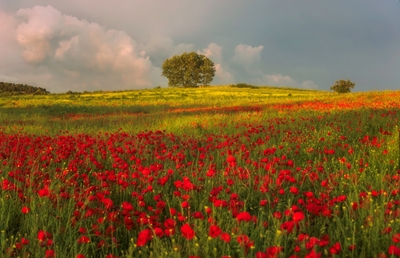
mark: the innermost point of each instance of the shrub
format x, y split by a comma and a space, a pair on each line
243, 85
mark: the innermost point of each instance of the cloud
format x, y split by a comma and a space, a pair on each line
222, 70
9, 50
247, 55
160, 48
74, 54
223, 76
212, 51
284, 80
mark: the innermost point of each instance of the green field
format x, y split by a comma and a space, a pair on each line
167, 108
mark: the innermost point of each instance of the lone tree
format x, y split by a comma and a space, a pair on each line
188, 70
343, 86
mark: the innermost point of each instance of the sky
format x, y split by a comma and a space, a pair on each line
93, 45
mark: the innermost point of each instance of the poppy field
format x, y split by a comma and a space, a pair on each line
246, 174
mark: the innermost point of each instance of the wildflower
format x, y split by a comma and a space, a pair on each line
297, 216
214, 231
243, 216
50, 254
25, 210
127, 206
187, 232
84, 240
396, 238
44, 192
225, 237
143, 237
336, 248
394, 250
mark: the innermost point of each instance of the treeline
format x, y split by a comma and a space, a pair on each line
9, 89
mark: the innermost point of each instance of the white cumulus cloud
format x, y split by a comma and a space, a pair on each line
247, 55
284, 80
223, 74
74, 54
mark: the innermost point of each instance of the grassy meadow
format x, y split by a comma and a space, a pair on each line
200, 172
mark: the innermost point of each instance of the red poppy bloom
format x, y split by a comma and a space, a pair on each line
108, 203
396, 238
225, 237
243, 216
187, 231
298, 216
313, 254
127, 206
143, 237
25, 210
24, 241
394, 250
50, 254
214, 231
245, 241
84, 240
44, 192
44, 235
336, 248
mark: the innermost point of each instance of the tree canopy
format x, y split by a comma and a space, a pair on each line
188, 70
342, 86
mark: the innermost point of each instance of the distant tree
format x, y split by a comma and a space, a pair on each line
342, 86
8, 88
188, 70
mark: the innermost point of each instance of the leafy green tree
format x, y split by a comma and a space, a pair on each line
188, 70
342, 86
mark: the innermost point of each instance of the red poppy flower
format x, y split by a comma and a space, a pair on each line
214, 231
143, 237
243, 216
25, 210
313, 254
245, 241
336, 248
187, 232
274, 250
24, 241
396, 238
50, 254
44, 192
44, 235
127, 206
298, 216
394, 250
225, 237
108, 203
288, 226
84, 240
